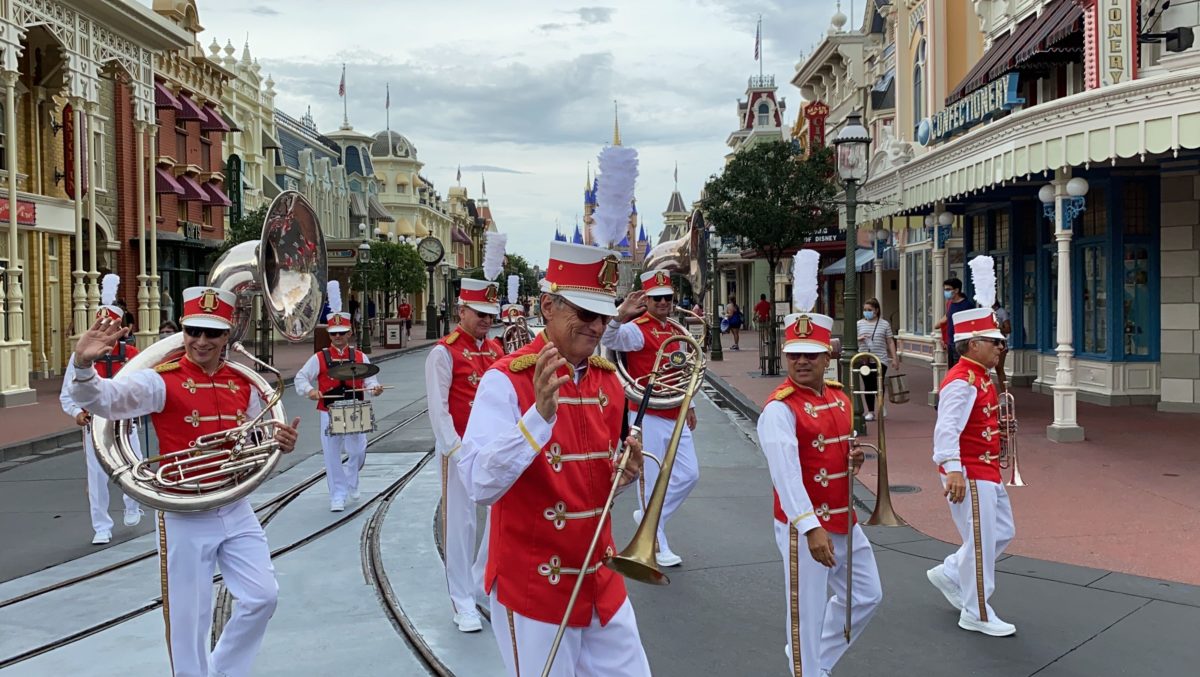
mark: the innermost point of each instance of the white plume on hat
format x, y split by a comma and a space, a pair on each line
108, 289
334, 291
804, 280
614, 194
983, 276
514, 287
493, 255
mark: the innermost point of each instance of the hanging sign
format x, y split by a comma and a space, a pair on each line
233, 174
816, 113
1117, 41
68, 130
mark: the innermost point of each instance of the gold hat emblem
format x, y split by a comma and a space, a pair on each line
609, 275
209, 300
661, 278
802, 326
491, 293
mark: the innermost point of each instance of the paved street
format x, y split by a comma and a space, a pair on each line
722, 614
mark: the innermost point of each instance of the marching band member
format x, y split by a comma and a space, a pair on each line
195, 395
966, 448
805, 431
452, 373
539, 449
639, 329
106, 367
313, 382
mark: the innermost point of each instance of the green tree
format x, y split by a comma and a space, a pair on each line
395, 270
245, 229
770, 197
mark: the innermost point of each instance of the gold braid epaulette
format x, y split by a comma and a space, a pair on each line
523, 362
834, 384
452, 337
167, 366
784, 393
642, 320
597, 361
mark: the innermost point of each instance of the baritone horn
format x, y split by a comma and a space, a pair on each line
1009, 458
883, 515
287, 266
517, 334
637, 560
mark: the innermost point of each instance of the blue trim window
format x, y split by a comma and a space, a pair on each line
1137, 324
1094, 319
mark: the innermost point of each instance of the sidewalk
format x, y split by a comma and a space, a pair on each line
1125, 499
43, 429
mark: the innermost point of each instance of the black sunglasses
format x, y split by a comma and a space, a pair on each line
585, 316
662, 299
996, 342
206, 332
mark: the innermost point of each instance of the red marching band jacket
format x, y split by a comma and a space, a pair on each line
823, 433
198, 404
979, 443
468, 364
332, 357
641, 362
542, 526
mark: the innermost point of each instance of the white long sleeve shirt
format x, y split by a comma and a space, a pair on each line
439, 372
954, 408
306, 379
777, 437
64, 394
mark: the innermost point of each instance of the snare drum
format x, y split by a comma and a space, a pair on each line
350, 417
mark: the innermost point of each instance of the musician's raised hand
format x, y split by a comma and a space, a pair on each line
633, 306
546, 380
98, 341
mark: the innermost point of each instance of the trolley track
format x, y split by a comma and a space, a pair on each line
271, 509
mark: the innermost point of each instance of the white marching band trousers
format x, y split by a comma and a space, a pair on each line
196, 543
342, 478
823, 617
996, 530
97, 483
656, 434
464, 569
595, 651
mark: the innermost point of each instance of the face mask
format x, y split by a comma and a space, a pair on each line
165, 334
868, 314
948, 294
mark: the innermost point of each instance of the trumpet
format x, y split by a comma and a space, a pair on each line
1008, 438
637, 560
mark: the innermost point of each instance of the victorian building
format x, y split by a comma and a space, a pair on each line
76, 115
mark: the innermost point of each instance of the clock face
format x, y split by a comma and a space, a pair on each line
430, 250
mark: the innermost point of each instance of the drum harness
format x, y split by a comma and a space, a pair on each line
340, 389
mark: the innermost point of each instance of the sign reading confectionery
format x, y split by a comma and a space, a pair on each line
1117, 41
995, 97
816, 113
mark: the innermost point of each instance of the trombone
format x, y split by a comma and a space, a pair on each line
637, 560
883, 515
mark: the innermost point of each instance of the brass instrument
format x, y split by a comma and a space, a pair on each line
637, 560
516, 334
1008, 438
287, 266
883, 515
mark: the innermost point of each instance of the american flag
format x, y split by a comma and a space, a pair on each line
342, 84
757, 39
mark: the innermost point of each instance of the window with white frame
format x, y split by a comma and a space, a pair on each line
101, 174
764, 114
3, 138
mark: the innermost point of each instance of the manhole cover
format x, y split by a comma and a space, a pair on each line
904, 489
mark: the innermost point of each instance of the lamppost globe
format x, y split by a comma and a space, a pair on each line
1077, 187
852, 144
1046, 194
364, 252
945, 219
929, 221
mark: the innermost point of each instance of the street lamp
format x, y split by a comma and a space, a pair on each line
364, 327
446, 286
715, 352
852, 144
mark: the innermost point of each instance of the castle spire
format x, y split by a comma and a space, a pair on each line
616, 126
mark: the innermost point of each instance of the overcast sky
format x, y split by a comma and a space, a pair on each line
523, 91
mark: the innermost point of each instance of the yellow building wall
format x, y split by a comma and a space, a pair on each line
964, 44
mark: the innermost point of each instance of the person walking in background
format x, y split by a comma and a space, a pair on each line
406, 312
955, 302
762, 311
733, 316
875, 337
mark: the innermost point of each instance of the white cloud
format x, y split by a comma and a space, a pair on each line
477, 83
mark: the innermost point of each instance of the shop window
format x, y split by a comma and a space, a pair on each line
1137, 303
1095, 300
979, 239
1137, 221
1000, 239
917, 320
1050, 341
181, 137
1029, 303
1094, 222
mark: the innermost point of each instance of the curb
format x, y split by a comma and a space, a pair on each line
745, 406
68, 440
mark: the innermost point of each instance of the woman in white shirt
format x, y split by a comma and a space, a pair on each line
875, 337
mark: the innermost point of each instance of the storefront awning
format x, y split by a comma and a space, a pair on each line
270, 189
212, 122
376, 210
189, 110
215, 196
358, 206
191, 190
864, 261
163, 98
165, 183
269, 141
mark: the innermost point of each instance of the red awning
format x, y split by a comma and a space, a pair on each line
191, 190
216, 196
1000, 52
190, 110
1057, 23
213, 121
163, 98
165, 183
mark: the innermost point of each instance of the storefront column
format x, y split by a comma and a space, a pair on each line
93, 289
941, 237
14, 353
1065, 427
146, 332
79, 297
152, 225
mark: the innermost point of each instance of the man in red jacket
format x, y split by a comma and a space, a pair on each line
540, 449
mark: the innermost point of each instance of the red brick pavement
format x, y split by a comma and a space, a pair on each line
1125, 499
21, 424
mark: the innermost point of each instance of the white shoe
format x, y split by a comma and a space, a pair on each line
870, 416
337, 506
945, 585
468, 621
994, 627
355, 495
666, 558
133, 517
102, 537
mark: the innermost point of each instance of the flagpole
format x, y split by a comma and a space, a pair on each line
387, 116
345, 106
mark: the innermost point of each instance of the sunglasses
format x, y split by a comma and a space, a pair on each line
206, 332
585, 316
662, 299
999, 343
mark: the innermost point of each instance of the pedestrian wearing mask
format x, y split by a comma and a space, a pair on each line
167, 329
875, 337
